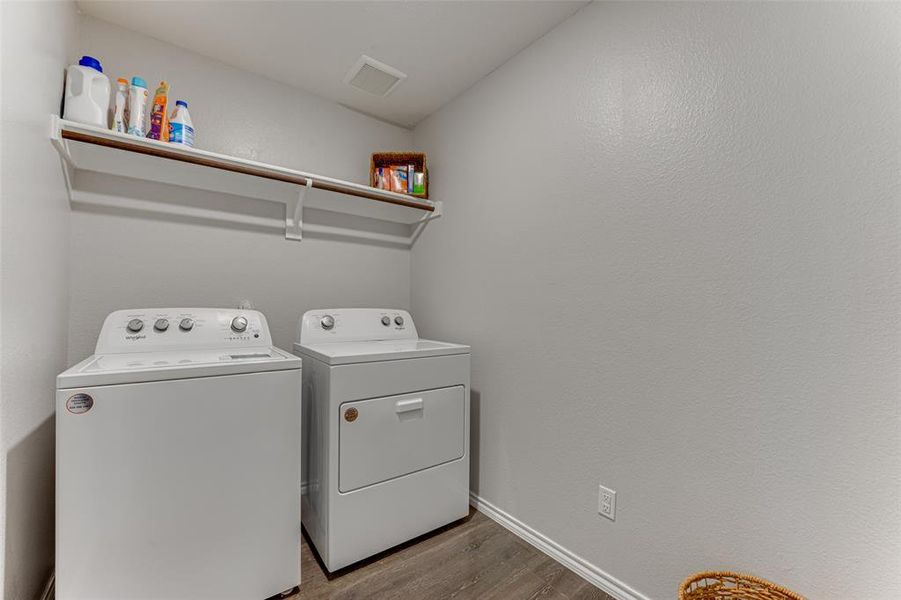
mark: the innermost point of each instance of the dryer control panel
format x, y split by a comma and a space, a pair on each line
355, 325
153, 329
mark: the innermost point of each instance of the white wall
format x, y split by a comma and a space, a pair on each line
122, 258
672, 239
37, 39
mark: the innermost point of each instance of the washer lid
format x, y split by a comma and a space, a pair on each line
139, 367
342, 353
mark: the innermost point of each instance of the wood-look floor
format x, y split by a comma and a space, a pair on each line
473, 558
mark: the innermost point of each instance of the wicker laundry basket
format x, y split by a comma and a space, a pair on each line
723, 585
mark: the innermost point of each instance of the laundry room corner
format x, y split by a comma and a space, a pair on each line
433, 300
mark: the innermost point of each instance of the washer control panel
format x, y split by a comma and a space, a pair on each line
152, 329
355, 324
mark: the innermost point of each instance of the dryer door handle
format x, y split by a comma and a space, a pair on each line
402, 406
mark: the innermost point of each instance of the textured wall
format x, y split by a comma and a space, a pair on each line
123, 258
672, 239
37, 39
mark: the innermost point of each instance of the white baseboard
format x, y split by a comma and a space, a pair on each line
571, 561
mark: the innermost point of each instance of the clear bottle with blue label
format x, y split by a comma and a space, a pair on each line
181, 129
137, 107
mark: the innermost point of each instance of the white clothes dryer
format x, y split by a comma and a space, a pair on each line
386, 419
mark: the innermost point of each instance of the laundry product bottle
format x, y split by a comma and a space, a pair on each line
87, 93
159, 117
181, 129
119, 123
137, 107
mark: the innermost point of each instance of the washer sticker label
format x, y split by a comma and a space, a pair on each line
79, 404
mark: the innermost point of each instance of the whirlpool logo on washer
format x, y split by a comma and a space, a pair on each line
79, 404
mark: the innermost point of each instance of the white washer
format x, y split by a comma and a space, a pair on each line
386, 419
178, 460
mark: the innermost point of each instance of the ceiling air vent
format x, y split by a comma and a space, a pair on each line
373, 76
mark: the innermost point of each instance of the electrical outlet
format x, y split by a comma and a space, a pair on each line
607, 502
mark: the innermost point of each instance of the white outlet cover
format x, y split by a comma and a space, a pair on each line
607, 502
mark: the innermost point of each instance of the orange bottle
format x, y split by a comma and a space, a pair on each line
159, 120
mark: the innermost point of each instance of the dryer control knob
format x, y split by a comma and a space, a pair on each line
399, 321
161, 324
239, 324
327, 322
186, 324
386, 321
135, 325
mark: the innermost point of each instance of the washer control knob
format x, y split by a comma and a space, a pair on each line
186, 324
239, 324
386, 320
399, 321
327, 322
135, 325
161, 324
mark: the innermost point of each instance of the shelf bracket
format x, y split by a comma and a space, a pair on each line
65, 158
421, 223
294, 213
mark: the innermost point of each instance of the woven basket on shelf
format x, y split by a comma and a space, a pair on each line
387, 159
723, 585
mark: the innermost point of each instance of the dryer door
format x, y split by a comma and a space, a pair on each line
384, 438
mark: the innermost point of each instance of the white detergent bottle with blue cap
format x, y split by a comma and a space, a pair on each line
87, 93
181, 129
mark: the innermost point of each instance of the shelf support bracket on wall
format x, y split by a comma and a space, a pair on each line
294, 214
421, 223
65, 157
